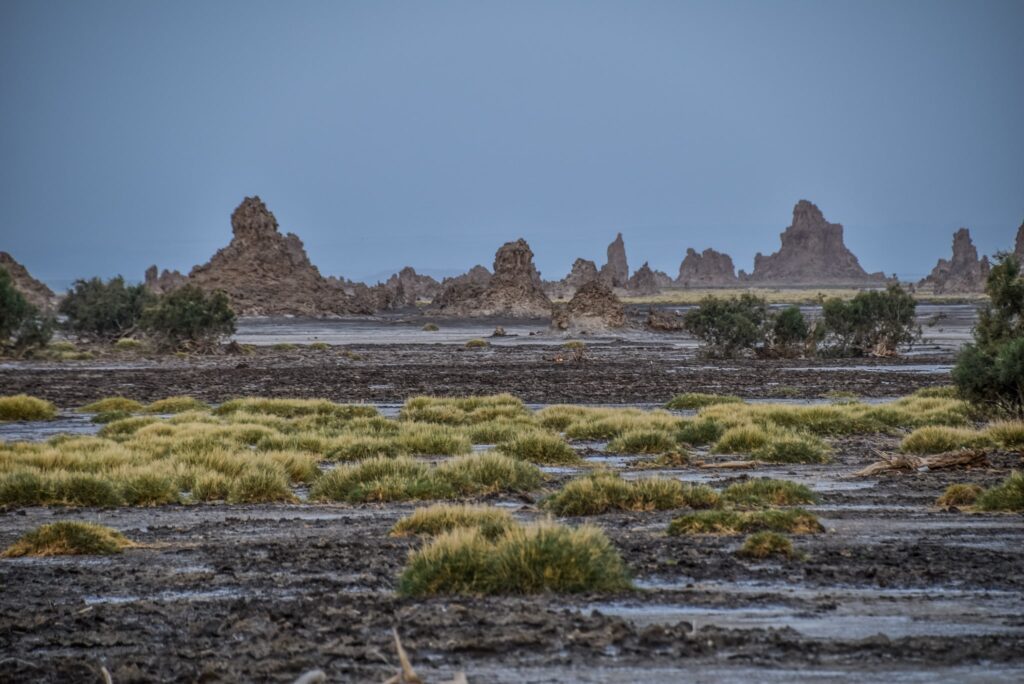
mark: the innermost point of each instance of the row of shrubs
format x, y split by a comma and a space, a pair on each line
872, 322
97, 311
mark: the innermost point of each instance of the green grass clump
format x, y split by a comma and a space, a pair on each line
431, 521
792, 520
83, 489
175, 405
940, 392
767, 492
210, 486
477, 343
112, 404
700, 431
959, 495
698, 400
1006, 496
560, 416
150, 487
497, 431
529, 559
741, 439
464, 410
359, 447
766, 544
109, 417
609, 423
61, 346
68, 538
602, 492
539, 447
1007, 434
23, 407
294, 408
791, 447
380, 479
432, 440
937, 439
319, 346
261, 485
430, 327
128, 344
22, 487
488, 473
643, 442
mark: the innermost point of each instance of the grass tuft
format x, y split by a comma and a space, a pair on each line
936, 439
602, 492
1006, 496
477, 343
110, 404
767, 492
959, 495
21, 407
175, 405
430, 327
539, 447
766, 544
431, 521
67, 539
643, 441
793, 520
528, 559
1007, 434
698, 400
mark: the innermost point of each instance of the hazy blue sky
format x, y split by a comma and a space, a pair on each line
427, 133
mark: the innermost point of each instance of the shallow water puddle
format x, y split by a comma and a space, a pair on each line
38, 430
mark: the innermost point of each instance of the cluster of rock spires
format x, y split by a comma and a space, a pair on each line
964, 272
514, 290
706, 269
37, 293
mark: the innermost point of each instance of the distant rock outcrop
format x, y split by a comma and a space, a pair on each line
965, 272
266, 273
161, 282
583, 271
1018, 246
709, 268
615, 272
36, 292
644, 281
408, 287
812, 253
594, 307
664, 320
514, 290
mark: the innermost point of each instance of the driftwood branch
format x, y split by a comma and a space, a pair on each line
911, 463
731, 465
407, 675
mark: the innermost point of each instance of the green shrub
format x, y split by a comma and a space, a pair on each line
22, 488
872, 322
112, 404
148, 488
539, 447
189, 318
788, 332
477, 344
727, 326
700, 431
767, 492
530, 559
1007, 434
766, 544
488, 473
21, 407
431, 521
260, 485
68, 538
84, 489
959, 495
937, 439
698, 400
23, 329
1006, 496
104, 310
791, 520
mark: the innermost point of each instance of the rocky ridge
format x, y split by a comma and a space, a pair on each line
513, 290
709, 268
35, 291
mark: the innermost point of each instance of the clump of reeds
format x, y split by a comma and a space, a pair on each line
21, 407
68, 538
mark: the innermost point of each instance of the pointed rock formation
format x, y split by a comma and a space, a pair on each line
644, 281
1018, 246
583, 271
36, 292
514, 290
408, 287
160, 283
615, 272
709, 268
266, 273
965, 272
812, 253
594, 307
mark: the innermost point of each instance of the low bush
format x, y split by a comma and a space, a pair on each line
529, 559
112, 404
698, 400
765, 545
729, 522
104, 310
1007, 434
68, 538
261, 485
172, 405
23, 329
1006, 496
477, 344
603, 492
937, 439
767, 492
873, 322
431, 521
700, 432
959, 495
21, 407
539, 447
189, 318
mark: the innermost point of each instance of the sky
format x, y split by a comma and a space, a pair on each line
388, 134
